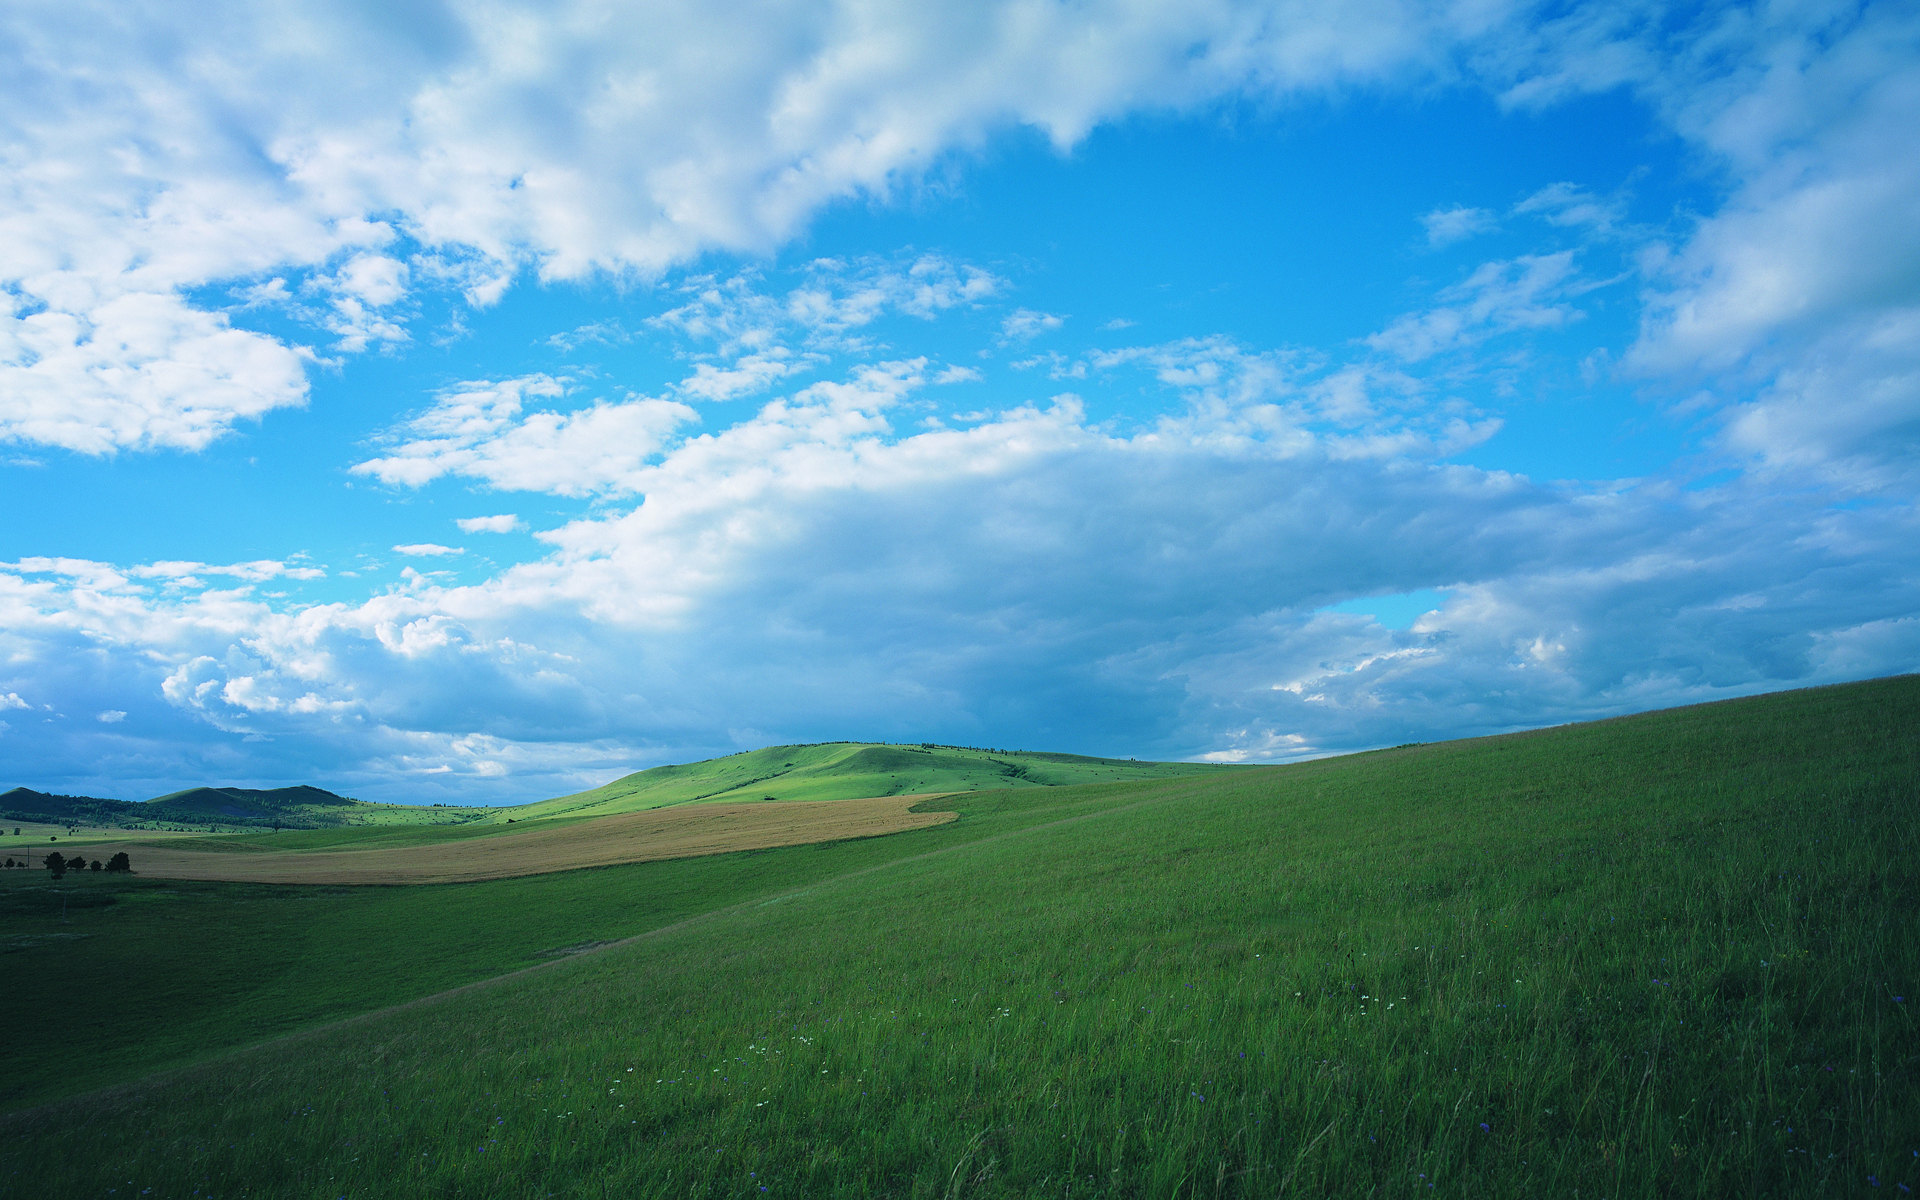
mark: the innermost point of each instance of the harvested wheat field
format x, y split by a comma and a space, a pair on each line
686, 831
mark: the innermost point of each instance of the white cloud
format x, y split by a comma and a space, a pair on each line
742, 315
1793, 299
1445, 226
603, 333
749, 374
112, 716
1805, 282
257, 571
427, 550
483, 430
362, 295
152, 152
375, 280
1530, 292
503, 523
138, 370
1570, 206
1024, 324
809, 573
12, 700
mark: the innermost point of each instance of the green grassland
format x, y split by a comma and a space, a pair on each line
843, 770
1673, 954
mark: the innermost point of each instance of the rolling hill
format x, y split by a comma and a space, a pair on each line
842, 770
1659, 955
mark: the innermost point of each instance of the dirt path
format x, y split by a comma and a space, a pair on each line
681, 832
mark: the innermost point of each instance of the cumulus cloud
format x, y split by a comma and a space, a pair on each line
810, 573
750, 374
427, 550
502, 523
150, 162
136, 370
1024, 324
486, 431
153, 152
1795, 298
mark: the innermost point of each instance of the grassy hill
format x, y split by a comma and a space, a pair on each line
842, 770
1669, 954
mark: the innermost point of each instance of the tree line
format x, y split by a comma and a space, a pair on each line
60, 865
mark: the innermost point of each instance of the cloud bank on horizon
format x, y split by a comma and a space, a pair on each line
472, 402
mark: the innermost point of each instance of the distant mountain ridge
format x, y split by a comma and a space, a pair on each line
295, 807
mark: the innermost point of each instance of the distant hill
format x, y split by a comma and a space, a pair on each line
25, 804
843, 770
289, 807
249, 805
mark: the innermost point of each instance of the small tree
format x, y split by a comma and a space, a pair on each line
94, 865
56, 864
120, 862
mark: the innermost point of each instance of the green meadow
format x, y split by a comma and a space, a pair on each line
1673, 954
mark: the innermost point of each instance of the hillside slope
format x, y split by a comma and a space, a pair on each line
843, 770
1667, 954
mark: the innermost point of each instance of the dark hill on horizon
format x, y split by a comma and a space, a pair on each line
26, 804
247, 804
294, 807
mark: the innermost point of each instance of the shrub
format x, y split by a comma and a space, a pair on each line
120, 862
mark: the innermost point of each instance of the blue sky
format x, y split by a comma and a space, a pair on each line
473, 404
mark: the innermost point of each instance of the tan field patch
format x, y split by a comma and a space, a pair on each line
681, 832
